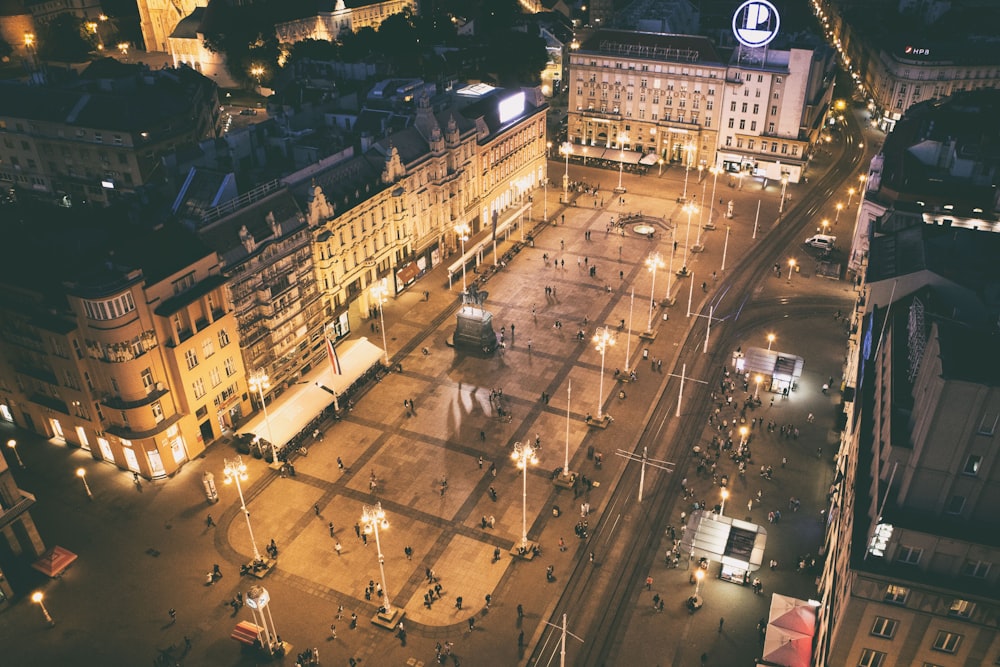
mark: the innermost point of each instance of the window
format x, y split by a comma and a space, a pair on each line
147, 379
955, 505
908, 555
972, 464
976, 568
191, 357
871, 658
157, 411
989, 424
884, 627
896, 594
111, 308
208, 347
198, 386
961, 608
946, 641
214, 376
223, 338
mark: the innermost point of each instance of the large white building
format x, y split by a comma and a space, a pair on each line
676, 98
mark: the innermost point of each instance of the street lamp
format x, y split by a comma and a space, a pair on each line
756, 392
687, 169
722, 507
825, 224
82, 474
603, 339
378, 292
653, 262
836, 218
743, 435
715, 181
567, 150
523, 454
770, 339
236, 471
123, 49
850, 193
545, 184
259, 382
373, 518
698, 575
791, 269
689, 209
13, 445
257, 72
463, 230
622, 139
784, 184
660, 162
38, 599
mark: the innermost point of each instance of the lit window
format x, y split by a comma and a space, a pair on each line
961, 608
972, 464
157, 411
896, 594
208, 347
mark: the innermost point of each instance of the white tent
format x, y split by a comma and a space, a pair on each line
792, 614
787, 648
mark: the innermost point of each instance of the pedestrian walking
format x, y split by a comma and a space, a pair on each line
173, 615
187, 643
480, 460
489, 600
649, 583
333, 631
209, 521
316, 509
354, 620
340, 612
357, 530
340, 464
520, 612
722, 622
337, 548
458, 602
408, 550
331, 528
496, 554
472, 623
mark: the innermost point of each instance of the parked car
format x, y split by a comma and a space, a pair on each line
822, 241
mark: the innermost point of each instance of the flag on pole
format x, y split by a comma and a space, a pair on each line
334, 359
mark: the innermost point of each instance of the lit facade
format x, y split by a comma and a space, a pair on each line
17, 530
264, 243
328, 25
139, 365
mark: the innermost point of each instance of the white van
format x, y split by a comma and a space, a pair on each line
822, 241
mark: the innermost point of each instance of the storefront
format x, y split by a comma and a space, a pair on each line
738, 546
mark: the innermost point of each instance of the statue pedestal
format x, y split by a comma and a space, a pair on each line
474, 330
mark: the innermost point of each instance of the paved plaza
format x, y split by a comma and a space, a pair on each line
144, 552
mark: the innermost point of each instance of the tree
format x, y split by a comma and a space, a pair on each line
517, 58
65, 38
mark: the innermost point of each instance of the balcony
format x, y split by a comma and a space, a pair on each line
119, 403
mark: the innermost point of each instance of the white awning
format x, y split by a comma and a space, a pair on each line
649, 159
724, 539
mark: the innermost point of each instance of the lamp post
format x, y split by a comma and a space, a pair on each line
770, 339
373, 518
545, 184
689, 209
259, 382
791, 270
687, 169
660, 162
123, 49
524, 454
463, 230
670, 269
756, 392
378, 292
13, 446
628, 338
744, 431
567, 150
836, 218
653, 262
784, 184
38, 598
722, 507
603, 339
825, 224
850, 194
257, 72
236, 471
715, 181
82, 474
701, 211
698, 575
622, 139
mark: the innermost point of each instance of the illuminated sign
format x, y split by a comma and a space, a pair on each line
914, 51
755, 23
511, 107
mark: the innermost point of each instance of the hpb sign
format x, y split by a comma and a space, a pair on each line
755, 23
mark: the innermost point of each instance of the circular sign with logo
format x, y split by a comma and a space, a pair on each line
755, 23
